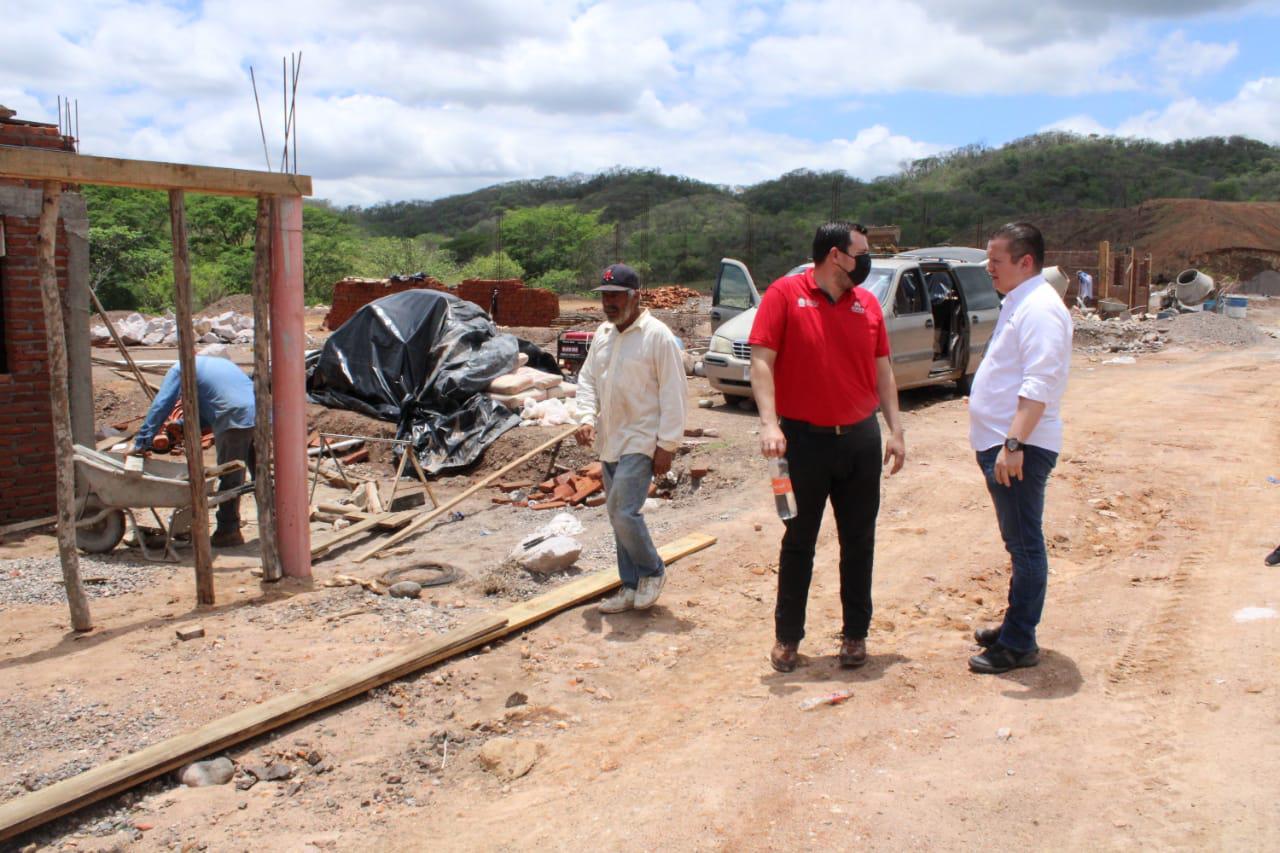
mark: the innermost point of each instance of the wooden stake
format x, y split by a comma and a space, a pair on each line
418, 524
190, 400
124, 351
59, 402
264, 491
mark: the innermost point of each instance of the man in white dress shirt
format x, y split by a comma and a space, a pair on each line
1015, 427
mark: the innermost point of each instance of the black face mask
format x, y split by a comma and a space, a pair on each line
861, 269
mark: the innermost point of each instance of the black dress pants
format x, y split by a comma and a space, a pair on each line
846, 468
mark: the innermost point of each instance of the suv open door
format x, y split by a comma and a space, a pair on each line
734, 292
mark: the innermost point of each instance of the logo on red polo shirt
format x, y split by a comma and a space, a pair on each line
857, 307
801, 302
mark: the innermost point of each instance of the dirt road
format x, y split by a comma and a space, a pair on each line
1152, 721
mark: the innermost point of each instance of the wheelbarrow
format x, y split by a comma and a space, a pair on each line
114, 492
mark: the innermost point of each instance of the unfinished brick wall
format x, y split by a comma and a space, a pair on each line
352, 294
26, 432
517, 305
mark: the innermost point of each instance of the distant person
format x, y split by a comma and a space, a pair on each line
632, 390
1015, 427
1085, 296
225, 397
820, 369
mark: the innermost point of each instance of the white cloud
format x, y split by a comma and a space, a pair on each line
1253, 112
415, 98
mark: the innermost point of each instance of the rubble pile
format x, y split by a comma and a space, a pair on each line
1203, 328
1094, 334
673, 296
583, 486
137, 330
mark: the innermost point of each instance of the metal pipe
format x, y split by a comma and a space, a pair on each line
288, 381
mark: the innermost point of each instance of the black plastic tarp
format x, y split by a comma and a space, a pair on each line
422, 358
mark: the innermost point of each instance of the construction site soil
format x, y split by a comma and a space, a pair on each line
1150, 723
1235, 239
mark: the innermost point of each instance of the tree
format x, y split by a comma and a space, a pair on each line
550, 237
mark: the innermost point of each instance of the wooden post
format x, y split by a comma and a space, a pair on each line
1103, 288
263, 489
190, 400
60, 403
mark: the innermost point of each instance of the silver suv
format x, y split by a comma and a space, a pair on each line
939, 305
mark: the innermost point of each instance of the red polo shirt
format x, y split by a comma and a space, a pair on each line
825, 372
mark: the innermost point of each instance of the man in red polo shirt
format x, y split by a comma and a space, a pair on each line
820, 369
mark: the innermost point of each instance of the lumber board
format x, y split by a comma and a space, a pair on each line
385, 521
93, 785
20, 526
441, 509
35, 164
64, 797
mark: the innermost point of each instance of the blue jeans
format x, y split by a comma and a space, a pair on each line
1020, 511
627, 483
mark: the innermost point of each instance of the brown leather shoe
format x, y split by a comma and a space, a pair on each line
853, 653
784, 656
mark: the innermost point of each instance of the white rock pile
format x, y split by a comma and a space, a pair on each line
137, 330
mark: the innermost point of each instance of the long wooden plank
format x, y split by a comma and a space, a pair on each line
65, 797
441, 509
64, 459
20, 526
391, 520
190, 400
124, 350
37, 164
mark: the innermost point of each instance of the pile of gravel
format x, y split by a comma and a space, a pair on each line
1202, 329
38, 580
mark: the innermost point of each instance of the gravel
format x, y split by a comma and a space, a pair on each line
1214, 330
38, 580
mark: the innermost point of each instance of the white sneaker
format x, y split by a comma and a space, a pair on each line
623, 599
648, 591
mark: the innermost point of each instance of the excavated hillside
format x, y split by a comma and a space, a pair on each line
1237, 239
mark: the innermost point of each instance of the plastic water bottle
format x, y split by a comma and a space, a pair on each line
783, 497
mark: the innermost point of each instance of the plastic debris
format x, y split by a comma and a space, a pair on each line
836, 698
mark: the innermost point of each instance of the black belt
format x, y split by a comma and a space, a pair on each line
839, 429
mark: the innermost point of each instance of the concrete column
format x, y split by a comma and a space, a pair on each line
288, 388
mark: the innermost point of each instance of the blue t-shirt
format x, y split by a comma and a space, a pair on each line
223, 391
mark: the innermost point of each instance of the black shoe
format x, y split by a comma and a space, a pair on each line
1273, 559
1000, 658
986, 637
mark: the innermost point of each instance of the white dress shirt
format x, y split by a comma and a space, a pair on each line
1029, 356
632, 389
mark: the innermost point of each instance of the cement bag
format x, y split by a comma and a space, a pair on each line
554, 554
538, 379
515, 402
511, 383
564, 524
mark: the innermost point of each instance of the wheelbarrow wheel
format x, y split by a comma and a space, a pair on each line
105, 533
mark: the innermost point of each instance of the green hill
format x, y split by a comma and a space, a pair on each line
676, 229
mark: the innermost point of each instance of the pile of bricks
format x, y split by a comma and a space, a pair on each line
513, 304
351, 294
584, 486
673, 296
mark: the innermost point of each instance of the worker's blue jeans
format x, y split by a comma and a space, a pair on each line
627, 483
1020, 512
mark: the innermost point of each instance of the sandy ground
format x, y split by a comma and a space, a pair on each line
1151, 723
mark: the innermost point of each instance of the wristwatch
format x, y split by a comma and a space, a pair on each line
1013, 445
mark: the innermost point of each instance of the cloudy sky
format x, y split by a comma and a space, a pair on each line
424, 98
